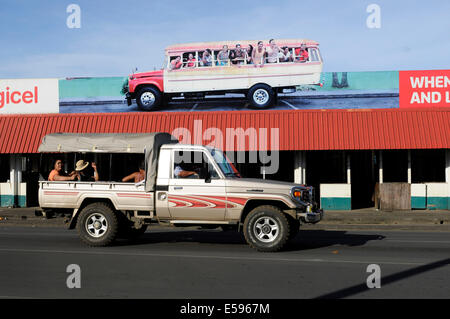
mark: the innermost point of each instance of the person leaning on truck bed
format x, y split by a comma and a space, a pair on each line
136, 176
83, 174
57, 174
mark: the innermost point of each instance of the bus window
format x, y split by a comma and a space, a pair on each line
175, 64
314, 56
189, 60
205, 59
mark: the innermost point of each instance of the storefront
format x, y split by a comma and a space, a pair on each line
354, 158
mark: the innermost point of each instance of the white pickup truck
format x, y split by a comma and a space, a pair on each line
213, 194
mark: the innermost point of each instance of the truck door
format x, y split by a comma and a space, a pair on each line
196, 191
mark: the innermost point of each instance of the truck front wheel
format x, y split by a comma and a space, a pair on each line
148, 98
97, 225
266, 228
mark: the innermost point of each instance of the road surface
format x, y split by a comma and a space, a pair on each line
192, 263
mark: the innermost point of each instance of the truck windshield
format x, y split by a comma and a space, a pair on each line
225, 165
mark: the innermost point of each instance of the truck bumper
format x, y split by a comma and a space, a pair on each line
311, 217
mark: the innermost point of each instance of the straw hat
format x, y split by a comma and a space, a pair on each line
81, 165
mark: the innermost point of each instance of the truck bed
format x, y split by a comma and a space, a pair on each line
124, 196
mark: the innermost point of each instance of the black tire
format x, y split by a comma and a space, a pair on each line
260, 232
98, 224
294, 228
260, 96
148, 98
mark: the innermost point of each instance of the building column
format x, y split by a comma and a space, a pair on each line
380, 167
299, 167
447, 167
16, 196
447, 175
349, 170
409, 167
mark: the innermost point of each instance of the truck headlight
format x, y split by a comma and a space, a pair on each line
297, 195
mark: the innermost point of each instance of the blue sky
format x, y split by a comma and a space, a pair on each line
116, 36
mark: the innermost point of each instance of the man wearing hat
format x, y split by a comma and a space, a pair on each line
83, 174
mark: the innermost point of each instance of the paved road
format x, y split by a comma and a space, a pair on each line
190, 263
236, 103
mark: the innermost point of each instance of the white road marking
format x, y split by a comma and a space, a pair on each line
238, 258
289, 104
420, 241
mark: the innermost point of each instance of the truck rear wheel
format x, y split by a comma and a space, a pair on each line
148, 98
97, 225
266, 228
261, 96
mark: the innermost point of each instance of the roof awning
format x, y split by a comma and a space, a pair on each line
374, 129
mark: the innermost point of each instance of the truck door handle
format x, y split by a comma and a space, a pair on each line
178, 187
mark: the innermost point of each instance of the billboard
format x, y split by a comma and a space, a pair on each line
425, 89
27, 96
338, 90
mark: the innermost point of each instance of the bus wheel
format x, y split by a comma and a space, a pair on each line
260, 96
148, 98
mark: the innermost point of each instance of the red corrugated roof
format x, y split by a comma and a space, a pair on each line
298, 130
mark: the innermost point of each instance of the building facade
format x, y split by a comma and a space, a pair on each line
390, 159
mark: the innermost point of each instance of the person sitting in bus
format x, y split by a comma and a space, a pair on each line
285, 55
238, 56
136, 176
249, 52
272, 52
176, 63
191, 61
223, 56
301, 54
258, 55
57, 174
206, 58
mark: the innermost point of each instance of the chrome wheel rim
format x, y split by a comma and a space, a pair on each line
266, 229
96, 225
147, 98
261, 96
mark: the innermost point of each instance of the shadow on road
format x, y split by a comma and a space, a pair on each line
314, 239
353, 290
305, 240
